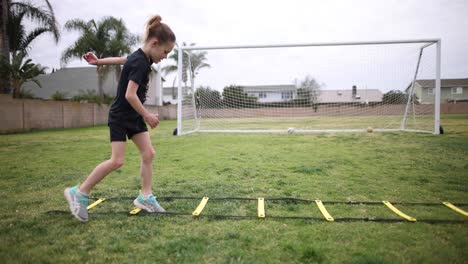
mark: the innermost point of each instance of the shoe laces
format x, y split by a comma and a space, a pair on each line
83, 200
152, 199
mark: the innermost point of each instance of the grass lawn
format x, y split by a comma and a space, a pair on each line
400, 167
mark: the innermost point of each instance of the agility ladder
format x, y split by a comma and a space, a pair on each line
262, 215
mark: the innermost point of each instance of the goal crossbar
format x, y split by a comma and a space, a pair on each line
317, 44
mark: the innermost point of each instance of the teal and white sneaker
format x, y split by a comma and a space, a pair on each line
150, 204
78, 203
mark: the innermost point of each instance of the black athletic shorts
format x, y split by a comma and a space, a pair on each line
122, 127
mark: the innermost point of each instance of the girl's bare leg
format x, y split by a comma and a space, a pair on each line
102, 170
147, 152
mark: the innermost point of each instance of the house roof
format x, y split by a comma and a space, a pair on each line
70, 81
443, 83
268, 88
346, 96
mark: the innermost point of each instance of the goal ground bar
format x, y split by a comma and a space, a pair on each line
398, 212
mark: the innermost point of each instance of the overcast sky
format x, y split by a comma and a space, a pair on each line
240, 22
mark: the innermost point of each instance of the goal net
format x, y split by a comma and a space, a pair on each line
329, 87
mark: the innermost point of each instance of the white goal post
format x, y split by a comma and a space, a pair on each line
373, 86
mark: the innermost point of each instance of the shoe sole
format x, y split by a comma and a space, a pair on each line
70, 204
146, 208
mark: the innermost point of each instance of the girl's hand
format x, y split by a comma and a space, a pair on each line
91, 58
152, 120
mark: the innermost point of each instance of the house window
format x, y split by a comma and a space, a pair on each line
430, 91
262, 95
287, 95
457, 90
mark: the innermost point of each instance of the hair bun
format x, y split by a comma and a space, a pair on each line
155, 20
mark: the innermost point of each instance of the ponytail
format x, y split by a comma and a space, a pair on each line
161, 31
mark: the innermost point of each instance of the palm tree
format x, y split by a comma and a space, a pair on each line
19, 39
15, 39
4, 7
167, 70
197, 62
108, 37
20, 70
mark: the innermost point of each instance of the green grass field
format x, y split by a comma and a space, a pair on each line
399, 167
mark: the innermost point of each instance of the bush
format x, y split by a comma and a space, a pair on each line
26, 94
90, 96
59, 96
395, 97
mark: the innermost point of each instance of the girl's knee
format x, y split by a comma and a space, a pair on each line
117, 163
148, 155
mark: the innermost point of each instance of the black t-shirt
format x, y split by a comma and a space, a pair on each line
137, 69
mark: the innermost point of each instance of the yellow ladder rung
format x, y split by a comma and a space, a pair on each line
100, 200
135, 211
324, 211
398, 212
200, 207
456, 209
261, 207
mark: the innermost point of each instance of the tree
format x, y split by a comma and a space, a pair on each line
108, 37
167, 70
15, 39
19, 39
303, 96
395, 97
4, 10
308, 92
234, 96
197, 61
4, 47
19, 71
207, 97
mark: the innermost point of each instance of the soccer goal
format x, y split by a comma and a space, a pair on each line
372, 86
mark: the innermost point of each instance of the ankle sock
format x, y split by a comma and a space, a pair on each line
82, 193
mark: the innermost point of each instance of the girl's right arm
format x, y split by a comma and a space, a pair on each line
134, 101
93, 60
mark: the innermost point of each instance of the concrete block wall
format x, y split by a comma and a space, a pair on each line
38, 114
11, 116
18, 115
457, 108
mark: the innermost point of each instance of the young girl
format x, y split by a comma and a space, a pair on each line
127, 117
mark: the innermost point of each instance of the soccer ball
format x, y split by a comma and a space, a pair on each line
291, 130
370, 130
